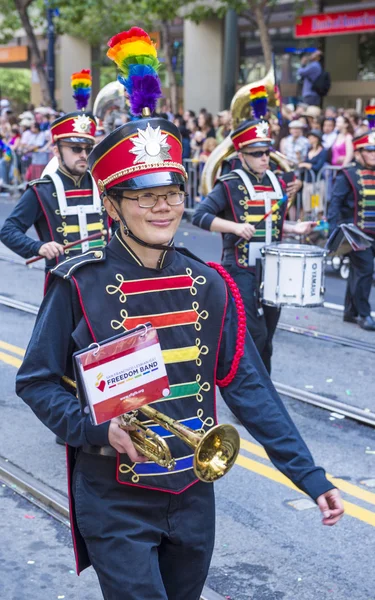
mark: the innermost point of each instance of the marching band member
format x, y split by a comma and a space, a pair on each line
149, 532
64, 206
238, 202
353, 201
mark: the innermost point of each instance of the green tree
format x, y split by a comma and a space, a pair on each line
256, 12
95, 21
16, 13
15, 85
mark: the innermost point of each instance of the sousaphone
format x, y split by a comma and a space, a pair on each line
241, 111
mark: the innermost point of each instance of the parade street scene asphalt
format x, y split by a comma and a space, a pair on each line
269, 541
187, 300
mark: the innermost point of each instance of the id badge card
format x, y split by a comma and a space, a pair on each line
121, 374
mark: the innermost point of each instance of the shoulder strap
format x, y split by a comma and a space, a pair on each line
67, 268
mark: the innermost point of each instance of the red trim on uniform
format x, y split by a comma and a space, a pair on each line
354, 190
186, 317
71, 510
249, 136
147, 487
259, 204
46, 218
367, 172
46, 283
121, 157
161, 284
263, 188
83, 309
75, 193
218, 349
241, 329
66, 129
236, 221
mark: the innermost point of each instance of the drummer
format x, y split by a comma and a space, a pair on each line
64, 206
236, 204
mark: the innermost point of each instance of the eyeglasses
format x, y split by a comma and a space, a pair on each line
258, 153
79, 149
149, 200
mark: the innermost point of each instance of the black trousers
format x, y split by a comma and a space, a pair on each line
359, 283
261, 327
143, 543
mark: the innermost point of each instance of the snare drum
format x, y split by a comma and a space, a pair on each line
293, 275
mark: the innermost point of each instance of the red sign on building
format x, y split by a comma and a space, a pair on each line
356, 21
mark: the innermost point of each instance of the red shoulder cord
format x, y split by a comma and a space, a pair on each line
241, 330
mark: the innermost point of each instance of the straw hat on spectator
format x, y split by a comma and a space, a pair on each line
297, 124
312, 111
27, 115
26, 122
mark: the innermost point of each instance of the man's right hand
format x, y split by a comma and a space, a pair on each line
120, 440
51, 250
244, 230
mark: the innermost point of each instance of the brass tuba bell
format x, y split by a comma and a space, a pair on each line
240, 109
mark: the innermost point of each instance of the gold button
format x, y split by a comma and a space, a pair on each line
98, 254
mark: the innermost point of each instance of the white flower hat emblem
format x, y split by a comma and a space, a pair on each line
371, 138
150, 146
82, 124
262, 129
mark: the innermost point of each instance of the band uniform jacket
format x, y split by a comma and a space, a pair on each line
197, 315
353, 199
231, 200
47, 206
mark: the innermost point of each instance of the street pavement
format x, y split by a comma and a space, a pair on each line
269, 546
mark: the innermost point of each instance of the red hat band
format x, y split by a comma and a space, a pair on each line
79, 125
255, 132
142, 152
368, 139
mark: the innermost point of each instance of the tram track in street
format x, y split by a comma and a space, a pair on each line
364, 416
52, 502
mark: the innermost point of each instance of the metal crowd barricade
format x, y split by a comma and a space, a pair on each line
16, 185
192, 168
327, 172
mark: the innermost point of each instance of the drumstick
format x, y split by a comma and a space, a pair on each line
94, 236
270, 212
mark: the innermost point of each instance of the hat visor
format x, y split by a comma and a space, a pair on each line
150, 180
366, 147
77, 140
251, 145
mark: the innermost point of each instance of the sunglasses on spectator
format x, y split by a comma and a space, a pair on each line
79, 149
258, 153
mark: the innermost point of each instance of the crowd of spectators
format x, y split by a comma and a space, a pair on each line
309, 138
25, 143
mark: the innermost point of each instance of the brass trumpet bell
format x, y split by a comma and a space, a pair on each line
216, 452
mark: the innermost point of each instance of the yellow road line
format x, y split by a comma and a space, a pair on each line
344, 486
11, 348
251, 465
10, 360
362, 514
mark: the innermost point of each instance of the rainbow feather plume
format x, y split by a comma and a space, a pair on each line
81, 85
259, 101
6, 151
135, 55
370, 116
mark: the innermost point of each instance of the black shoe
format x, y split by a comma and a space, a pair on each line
349, 318
367, 323
59, 441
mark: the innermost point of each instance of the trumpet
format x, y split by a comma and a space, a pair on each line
215, 451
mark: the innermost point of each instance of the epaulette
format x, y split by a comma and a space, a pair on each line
36, 181
228, 177
68, 267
